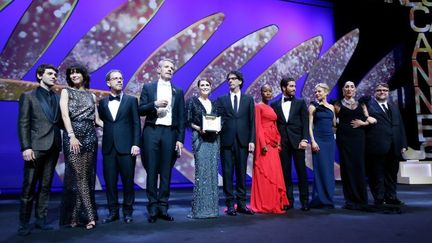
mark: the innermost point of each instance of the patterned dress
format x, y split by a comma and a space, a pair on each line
205, 202
78, 202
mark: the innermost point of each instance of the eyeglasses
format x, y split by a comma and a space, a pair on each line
117, 78
382, 90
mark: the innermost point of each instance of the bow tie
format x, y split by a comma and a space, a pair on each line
289, 98
111, 98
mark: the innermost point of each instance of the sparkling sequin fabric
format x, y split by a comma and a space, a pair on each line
78, 202
205, 201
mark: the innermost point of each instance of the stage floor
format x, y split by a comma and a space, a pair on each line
317, 225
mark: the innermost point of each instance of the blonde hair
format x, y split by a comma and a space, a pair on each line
323, 86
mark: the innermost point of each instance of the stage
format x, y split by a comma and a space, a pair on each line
318, 225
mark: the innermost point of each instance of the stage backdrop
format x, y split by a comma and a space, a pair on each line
263, 39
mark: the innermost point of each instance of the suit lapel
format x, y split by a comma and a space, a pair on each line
380, 109
57, 110
122, 104
294, 103
173, 96
45, 107
241, 102
106, 110
279, 111
229, 104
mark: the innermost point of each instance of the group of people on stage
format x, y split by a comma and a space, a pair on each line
370, 138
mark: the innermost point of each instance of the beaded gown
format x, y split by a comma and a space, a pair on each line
268, 187
205, 201
78, 201
323, 160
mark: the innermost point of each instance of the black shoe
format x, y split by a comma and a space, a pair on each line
24, 230
231, 211
394, 201
287, 207
152, 219
110, 218
128, 219
378, 202
305, 208
245, 210
166, 217
43, 225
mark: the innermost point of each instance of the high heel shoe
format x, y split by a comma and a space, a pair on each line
91, 225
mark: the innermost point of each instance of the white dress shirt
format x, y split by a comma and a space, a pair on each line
381, 105
164, 92
238, 100
286, 107
113, 106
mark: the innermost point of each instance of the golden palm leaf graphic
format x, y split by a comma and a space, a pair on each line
180, 47
29, 41
380, 73
233, 57
4, 4
97, 48
331, 64
294, 63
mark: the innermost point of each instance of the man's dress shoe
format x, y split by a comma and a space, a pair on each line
166, 217
24, 230
110, 218
43, 225
394, 201
152, 219
305, 208
128, 219
245, 210
287, 207
231, 211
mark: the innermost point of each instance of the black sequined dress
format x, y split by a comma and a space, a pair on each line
78, 201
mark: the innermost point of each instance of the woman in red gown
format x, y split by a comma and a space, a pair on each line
268, 187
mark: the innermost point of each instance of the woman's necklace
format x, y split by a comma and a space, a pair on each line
351, 103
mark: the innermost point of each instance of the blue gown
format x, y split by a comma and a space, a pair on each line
323, 160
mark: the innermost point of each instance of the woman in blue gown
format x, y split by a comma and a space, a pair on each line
321, 123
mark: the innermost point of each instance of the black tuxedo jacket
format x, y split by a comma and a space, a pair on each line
124, 131
38, 126
239, 125
148, 109
381, 136
296, 128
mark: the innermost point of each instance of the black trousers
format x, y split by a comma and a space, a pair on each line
234, 158
124, 164
298, 155
382, 172
37, 182
158, 156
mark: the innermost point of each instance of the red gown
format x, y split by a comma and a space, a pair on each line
268, 186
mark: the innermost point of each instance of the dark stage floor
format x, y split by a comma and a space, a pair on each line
317, 225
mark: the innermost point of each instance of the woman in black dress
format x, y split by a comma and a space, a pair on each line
79, 113
350, 138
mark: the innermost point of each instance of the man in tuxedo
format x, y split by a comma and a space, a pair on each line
385, 143
121, 137
40, 140
237, 139
292, 123
163, 135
